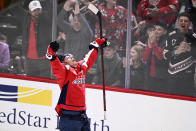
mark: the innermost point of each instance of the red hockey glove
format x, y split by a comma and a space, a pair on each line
51, 51
98, 43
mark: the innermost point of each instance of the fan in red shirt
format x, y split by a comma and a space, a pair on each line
156, 10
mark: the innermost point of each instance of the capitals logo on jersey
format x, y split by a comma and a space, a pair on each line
80, 79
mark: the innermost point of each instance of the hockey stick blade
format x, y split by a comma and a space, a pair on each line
93, 8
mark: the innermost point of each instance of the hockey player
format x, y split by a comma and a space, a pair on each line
70, 76
180, 51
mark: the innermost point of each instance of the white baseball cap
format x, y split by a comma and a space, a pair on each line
35, 4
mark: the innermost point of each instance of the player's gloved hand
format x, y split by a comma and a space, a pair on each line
54, 46
52, 49
99, 42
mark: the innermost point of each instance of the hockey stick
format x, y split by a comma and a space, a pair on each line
86, 6
98, 13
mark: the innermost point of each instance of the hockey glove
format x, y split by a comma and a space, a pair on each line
51, 51
54, 46
98, 43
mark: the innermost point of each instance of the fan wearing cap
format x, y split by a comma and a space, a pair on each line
70, 76
36, 33
35, 9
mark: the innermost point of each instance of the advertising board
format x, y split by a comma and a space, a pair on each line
30, 105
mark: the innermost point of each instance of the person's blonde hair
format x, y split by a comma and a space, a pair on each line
139, 49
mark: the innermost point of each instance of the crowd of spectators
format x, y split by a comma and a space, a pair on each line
162, 53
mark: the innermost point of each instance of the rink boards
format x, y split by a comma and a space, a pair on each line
30, 105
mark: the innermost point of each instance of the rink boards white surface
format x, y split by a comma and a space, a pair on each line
125, 111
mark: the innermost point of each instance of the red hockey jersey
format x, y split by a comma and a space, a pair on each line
72, 82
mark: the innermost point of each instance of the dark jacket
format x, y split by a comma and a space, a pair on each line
180, 64
112, 71
137, 77
43, 33
192, 12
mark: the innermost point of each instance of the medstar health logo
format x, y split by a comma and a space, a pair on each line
25, 95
